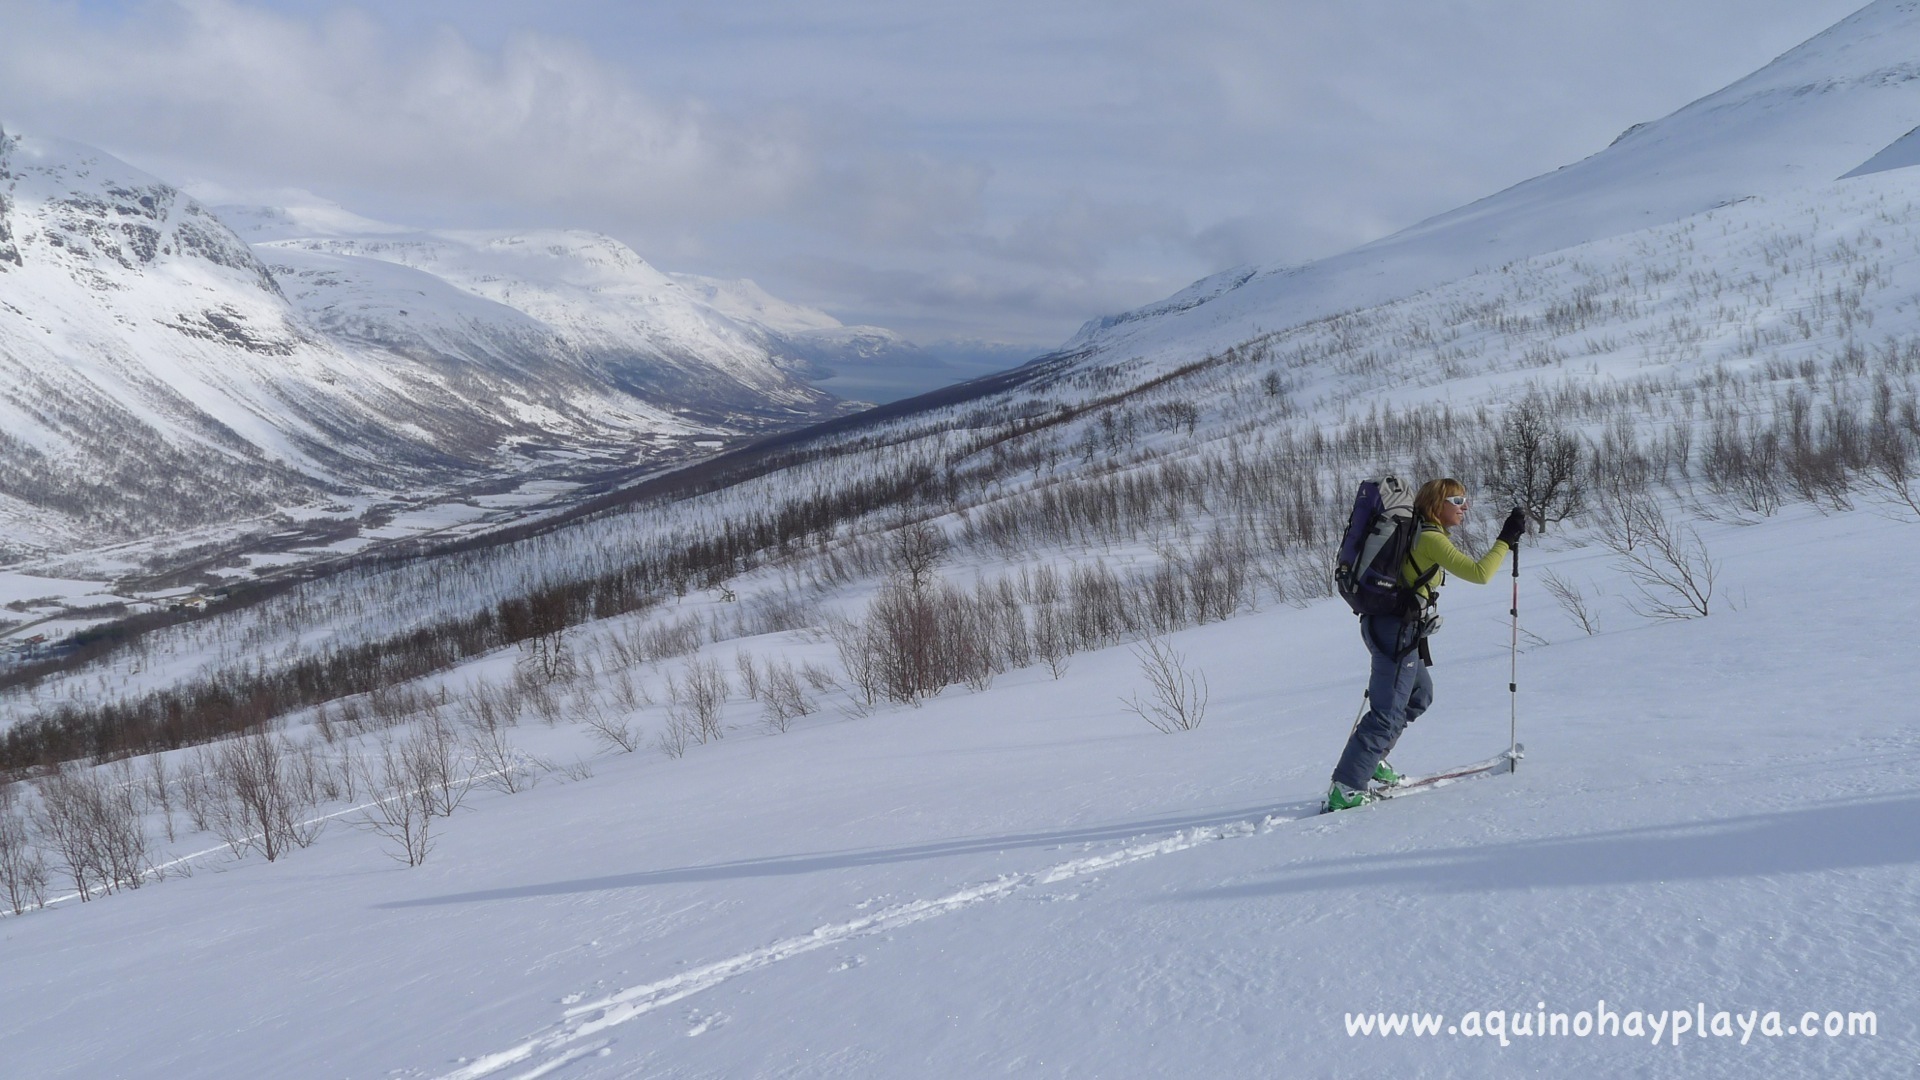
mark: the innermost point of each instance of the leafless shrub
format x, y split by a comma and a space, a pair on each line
1308, 575
1572, 601
818, 677
1670, 568
23, 870
548, 656
413, 780
1051, 642
61, 823
398, 814
338, 779
351, 718
1743, 462
915, 642
1822, 455
858, 659
122, 829
1536, 463
631, 695
197, 795
1003, 610
93, 828
257, 797
697, 698
903, 631
677, 735
395, 705
1893, 444
488, 706
1177, 698
917, 548
666, 639
541, 696
743, 662
613, 732
498, 763
160, 791
435, 768
308, 773
1099, 606
784, 699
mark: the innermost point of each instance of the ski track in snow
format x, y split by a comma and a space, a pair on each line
584, 1022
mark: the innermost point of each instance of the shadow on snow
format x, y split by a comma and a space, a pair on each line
1846, 835
788, 865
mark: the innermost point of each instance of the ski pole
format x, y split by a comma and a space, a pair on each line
1513, 672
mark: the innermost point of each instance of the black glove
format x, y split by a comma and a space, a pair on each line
1515, 527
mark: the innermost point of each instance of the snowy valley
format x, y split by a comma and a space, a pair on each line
198, 398
987, 734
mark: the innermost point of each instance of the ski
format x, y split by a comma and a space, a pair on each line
1499, 763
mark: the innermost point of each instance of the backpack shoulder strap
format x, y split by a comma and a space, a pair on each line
1422, 577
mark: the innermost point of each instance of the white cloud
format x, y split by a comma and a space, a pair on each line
252, 94
1005, 168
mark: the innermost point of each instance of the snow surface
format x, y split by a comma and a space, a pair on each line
1029, 880
1814, 114
745, 301
16, 588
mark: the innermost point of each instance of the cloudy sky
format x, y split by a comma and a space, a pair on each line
954, 170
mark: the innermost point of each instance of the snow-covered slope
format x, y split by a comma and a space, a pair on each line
606, 313
153, 370
745, 301
1816, 113
1029, 881
157, 371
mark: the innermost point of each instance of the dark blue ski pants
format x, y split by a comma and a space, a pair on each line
1398, 692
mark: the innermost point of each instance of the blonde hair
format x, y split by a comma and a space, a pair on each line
1426, 502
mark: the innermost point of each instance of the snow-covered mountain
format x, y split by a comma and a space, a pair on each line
159, 371
530, 302
1823, 110
937, 838
592, 292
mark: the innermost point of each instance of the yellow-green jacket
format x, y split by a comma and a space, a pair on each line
1434, 548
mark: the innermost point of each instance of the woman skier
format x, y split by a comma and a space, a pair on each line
1400, 689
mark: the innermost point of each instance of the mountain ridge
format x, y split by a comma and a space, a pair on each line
160, 377
1816, 112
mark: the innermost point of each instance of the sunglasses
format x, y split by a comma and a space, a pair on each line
1458, 500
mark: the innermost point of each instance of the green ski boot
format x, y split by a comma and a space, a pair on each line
1384, 775
1342, 797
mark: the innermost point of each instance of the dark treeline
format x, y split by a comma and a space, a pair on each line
236, 702
232, 703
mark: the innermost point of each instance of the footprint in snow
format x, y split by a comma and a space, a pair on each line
704, 1024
